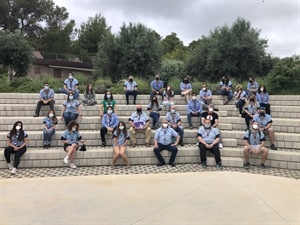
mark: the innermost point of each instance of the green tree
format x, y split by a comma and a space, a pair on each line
171, 69
174, 48
15, 53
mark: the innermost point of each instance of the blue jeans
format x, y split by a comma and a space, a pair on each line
180, 131
48, 134
227, 93
75, 93
190, 115
69, 117
240, 105
155, 116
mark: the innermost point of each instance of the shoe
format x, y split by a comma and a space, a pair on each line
161, 163
247, 165
221, 146
45, 146
216, 110
197, 144
133, 145
73, 166
203, 165
172, 164
134, 103
48, 146
225, 102
191, 128
10, 166
157, 125
240, 115
181, 144
127, 103
273, 147
66, 159
248, 128
219, 165
235, 109
262, 166
182, 95
36, 115
147, 145
104, 144
153, 128
14, 170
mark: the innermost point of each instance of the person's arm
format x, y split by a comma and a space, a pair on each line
8, 143
188, 108
125, 86
162, 86
181, 87
147, 124
75, 87
79, 109
63, 111
201, 140
209, 96
216, 123
51, 92
152, 86
131, 123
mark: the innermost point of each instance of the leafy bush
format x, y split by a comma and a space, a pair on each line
102, 85
171, 69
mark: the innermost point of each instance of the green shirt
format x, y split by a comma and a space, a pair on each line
108, 103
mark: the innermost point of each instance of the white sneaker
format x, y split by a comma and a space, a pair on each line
66, 159
197, 144
73, 166
220, 146
10, 166
14, 170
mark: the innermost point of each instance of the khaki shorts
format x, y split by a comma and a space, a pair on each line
254, 149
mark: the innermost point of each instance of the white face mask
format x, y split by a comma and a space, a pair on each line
70, 77
109, 111
108, 96
46, 87
168, 88
261, 89
165, 125
121, 127
211, 109
207, 125
173, 110
18, 127
71, 97
194, 97
255, 126
51, 115
204, 89
74, 129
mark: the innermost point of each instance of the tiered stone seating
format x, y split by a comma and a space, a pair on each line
284, 111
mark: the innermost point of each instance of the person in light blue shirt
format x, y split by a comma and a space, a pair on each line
174, 121
70, 86
225, 89
130, 88
46, 98
120, 141
157, 87
71, 109
254, 141
240, 96
251, 108
154, 109
50, 122
186, 89
209, 139
168, 98
252, 86
194, 109
263, 98
163, 141
205, 97
110, 121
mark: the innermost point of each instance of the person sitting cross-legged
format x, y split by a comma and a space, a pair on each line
110, 121
254, 141
194, 109
70, 86
225, 89
163, 141
186, 89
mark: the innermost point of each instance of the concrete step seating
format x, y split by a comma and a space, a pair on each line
284, 111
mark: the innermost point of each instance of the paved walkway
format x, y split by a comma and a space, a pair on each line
202, 197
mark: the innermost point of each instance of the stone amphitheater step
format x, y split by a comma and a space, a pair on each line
36, 157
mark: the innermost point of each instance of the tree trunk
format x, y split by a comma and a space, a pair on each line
11, 73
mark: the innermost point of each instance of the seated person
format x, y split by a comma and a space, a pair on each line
71, 109
130, 88
70, 86
106, 102
168, 98
254, 141
174, 121
157, 87
252, 86
205, 97
265, 124
50, 122
208, 138
89, 96
240, 96
194, 109
109, 123
262, 97
139, 123
225, 89
120, 140
251, 108
186, 89
46, 98
163, 141
154, 109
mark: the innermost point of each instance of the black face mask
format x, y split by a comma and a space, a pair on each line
250, 81
223, 80
185, 81
157, 78
130, 80
154, 100
139, 110
251, 99
262, 113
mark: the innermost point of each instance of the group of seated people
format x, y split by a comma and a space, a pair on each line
253, 104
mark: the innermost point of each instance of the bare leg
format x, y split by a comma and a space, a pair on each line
116, 156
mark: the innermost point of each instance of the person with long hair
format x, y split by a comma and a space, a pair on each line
154, 109
168, 98
50, 122
70, 109
262, 97
71, 138
120, 141
251, 108
240, 96
186, 89
17, 141
108, 101
89, 96
225, 89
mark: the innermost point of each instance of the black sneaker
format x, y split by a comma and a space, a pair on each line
104, 144
204, 165
49, 146
161, 163
45, 146
172, 164
262, 166
216, 110
36, 115
273, 147
219, 165
247, 165
134, 103
127, 103
181, 144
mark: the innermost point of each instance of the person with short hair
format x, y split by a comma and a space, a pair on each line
16, 141
139, 123
194, 109
50, 122
120, 141
174, 122
163, 141
254, 141
46, 98
154, 112
168, 98
110, 121
89, 96
71, 138
157, 87
108, 101
208, 138
225, 89
205, 97
252, 86
71, 86
240, 96
71, 109
130, 88
186, 89
263, 98
264, 121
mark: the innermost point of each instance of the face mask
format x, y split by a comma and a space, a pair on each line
154, 99
251, 99
262, 113
255, 126
194, 97
71, 97
185, 80
108, 96
210, 109
223, 80
250, 81
70, 77
121, 127
165, 125
173, 110
109, 111
207, 125
168, 88
51, 115
156, 78
204, 89
46, 87
130, 80
18, 127
139, 110
74, 129
261, 89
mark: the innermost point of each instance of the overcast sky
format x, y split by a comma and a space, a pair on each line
278, 20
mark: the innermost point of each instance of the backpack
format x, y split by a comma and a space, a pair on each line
249, 134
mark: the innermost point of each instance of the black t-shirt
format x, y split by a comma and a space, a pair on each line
214, 116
